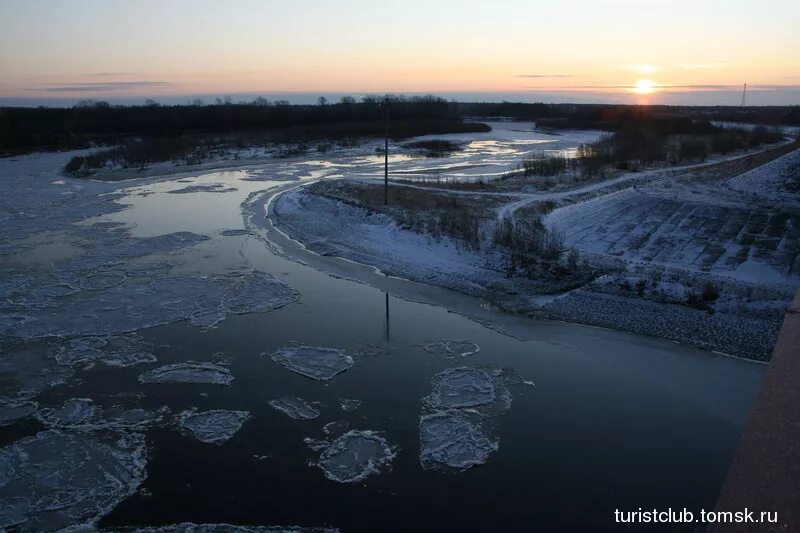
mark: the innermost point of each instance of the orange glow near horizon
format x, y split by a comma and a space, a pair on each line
151, 49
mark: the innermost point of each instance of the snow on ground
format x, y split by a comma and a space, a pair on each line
778, 180
743, 242
329, 227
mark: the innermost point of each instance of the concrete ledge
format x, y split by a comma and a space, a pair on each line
765, 474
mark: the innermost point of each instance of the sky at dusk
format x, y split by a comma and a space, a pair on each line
676, 52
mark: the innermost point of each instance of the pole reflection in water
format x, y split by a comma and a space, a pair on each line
387, 316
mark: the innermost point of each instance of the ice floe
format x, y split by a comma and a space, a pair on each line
74, 412
188, 372
296, 408
452, 348
468, 387
82, 414
120, 351
55, 479
212, 427
354, 456
313, 361
451, 439
452, 429
150, 302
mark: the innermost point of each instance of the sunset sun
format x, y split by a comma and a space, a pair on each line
644, 87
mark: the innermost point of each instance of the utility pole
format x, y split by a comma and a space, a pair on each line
744, 94
386, 153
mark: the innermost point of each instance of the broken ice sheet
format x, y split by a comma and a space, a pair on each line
450, 438
55, 479
452, 348
212, 427
119, 351
313, 361
74, 412
147, 302
354, 456
296, 408
188, 372
467, 387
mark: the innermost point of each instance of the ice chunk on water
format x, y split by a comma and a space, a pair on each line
355, 456
452, 348
191, 527
212, 427
313, 361
121, 351
296, 408
451, 439
348, 404
11, 413
188, 372
55, 479
74, 412
467, 387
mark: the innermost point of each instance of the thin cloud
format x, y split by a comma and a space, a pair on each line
702, 66
106, 86
644, 68
109, 74
551, 76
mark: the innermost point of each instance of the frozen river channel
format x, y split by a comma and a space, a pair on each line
162, 361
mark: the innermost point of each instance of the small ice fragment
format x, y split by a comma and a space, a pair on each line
449, 438
212, 427
452, 348
313, 361
355, 456
296, 408
348, 404
189, 372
